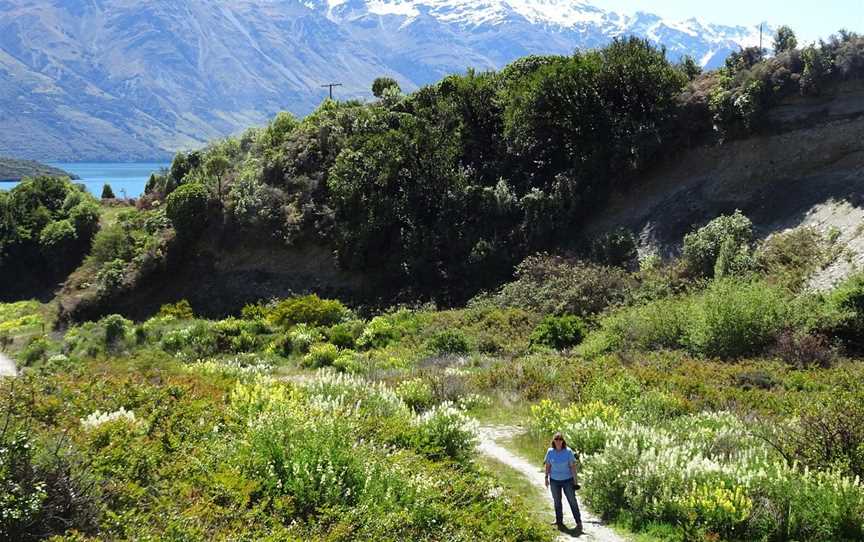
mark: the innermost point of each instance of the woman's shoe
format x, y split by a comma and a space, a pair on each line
579, 529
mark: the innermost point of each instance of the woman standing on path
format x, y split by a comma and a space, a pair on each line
561, 475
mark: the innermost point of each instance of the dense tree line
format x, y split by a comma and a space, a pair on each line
46, 227
440, 192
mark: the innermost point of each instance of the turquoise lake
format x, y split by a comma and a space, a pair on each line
126, 178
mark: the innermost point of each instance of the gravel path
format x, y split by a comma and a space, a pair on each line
595, 530
7, 366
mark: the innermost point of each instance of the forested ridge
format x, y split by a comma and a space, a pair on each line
439, 193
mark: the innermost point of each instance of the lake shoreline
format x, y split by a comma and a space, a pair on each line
127, 179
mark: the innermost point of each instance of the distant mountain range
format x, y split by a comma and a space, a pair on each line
130, 80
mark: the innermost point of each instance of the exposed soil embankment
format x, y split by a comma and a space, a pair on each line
810, 172
218, 281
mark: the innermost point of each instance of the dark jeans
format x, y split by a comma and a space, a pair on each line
567, 485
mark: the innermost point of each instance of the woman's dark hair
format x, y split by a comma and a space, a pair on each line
555, 437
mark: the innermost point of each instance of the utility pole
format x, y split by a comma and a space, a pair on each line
760, 38
330, 86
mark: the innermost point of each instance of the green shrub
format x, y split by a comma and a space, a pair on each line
847, 302
555, 285
450, 341
310, 309
57, 241
615, 249
85, 217
111, 276
236, 336
444, 432
726, 240
320, 355
116, 328
382, 84
35, 351
733, 318
381, 331
180, 310
107, 192
112, 243
254, 311
345, 335
196, 341
41, 497
417, 394
657, 324
302, 337
186, 207
559, 332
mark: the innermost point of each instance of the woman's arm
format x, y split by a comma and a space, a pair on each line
548, 469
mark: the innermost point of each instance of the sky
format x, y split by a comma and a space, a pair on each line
809, 19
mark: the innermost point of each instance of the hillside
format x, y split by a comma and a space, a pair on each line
123, 81
12, 169
356, 200
807, 172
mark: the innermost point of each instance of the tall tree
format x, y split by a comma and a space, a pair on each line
784, 40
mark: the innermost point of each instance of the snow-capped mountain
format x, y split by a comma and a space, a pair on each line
125, 79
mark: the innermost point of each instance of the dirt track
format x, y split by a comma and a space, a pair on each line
595, 530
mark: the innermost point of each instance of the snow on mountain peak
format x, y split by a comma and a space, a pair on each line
565, 15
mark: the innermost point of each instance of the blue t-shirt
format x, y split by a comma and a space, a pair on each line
560, 460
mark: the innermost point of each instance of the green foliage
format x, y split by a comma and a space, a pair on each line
58, 241
731, 318
35, 351
385, 329
450, 341
847, 302
320, 355
784, 40
444, 432
180, 310
186, 207
110, 279
302, 337
555, 285
383, 84
721, 245
689, 67
789, 258
107, 192
310, 309
416, 393
85, 218
345, 335
39, 496
112, 243
615, 249
46, 226
735, 318
559, 332
116, 329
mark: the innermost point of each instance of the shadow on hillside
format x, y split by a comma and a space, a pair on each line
777, 205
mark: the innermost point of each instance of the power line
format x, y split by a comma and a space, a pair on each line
330, 86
